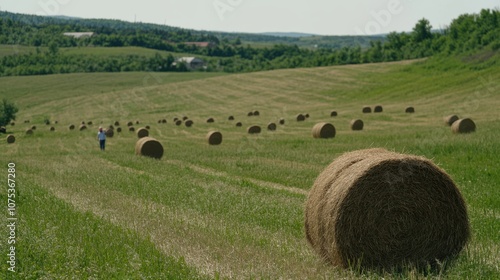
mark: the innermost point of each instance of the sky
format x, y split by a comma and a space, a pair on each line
322, 17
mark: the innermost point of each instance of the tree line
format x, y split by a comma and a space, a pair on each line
469, 32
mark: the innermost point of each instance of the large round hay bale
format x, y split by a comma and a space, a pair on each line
33, 127
256, 113
142, 132
82, 127
239, 124
118, 129
178, 122
254, 129
11, 139
230, 118
29, 131
379, 209
357, 124
111, 126
250, 114
176, 119
52, 128
463, 126
163, 121
410, 110
71, 126
117, 123
449, 120
271, 126
148, 127
366, 109
188, 123
12, 123
131, 128
130, 124
378, 109
47, 122
306, 115
110, 132
26, 121
3, 129
300, 118
282, 121
90, 123
210, 120
137, 122
323, 130
333, 113
214, 138
149, 147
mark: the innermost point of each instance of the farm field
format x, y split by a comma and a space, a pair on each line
235, 210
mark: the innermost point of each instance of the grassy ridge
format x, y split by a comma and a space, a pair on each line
236, 210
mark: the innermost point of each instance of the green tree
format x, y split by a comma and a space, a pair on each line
422, 31
7, 112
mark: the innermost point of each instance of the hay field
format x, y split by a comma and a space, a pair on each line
234, 210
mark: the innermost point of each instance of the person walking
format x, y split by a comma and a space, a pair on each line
101, 136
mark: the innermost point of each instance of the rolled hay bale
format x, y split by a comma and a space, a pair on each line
463, 126
111, 126
185, 118
306, 115
449, 120
188, 123
239, 124
357, 124
378, 109
150, 147
255, 129
366, 109
323, 130
163, 121
178, 122
118, 129
82, 127
47, 122
130, 124
210, 120
56, 122
131, 128
382, 210
83, 122
159, 121
10, 139
90, 123
117, 123
176, 119
300, 118
110, 132
142, 132
71, 127
410, 110
333, 114
147, 127
250, 114
137, 122
52, 128
271, 126
256, 113
282, 121
29, 131
33, 127
12, 123
214, 138
230, 118
3, 129
27, 121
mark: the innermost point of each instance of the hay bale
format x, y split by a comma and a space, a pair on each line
256, 113
378, 109
117, 123
110, 132
449, 120
111, 126
250, 114
230, 118
147, 127
3, 129
33, 127
83, 122
47, 122
323, 130
137, 122
306, 115
176, 119
52, 128
282, 121
255, 129
12, 123
382, 210
130, 124
26, 121
357, 124
239, 124
188, 123
163, 121
118, 129
82, 127
56, 122
90, 123
29, 131
366, 109
150, 147
71, 127
463, 126
185, 118
159, 121
300, 118
131, 128
11, 139
410, 110
214, 138
333, 114
210, 120
142, 132
271, 126
178, 122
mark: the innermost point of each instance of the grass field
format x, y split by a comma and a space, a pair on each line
234, 210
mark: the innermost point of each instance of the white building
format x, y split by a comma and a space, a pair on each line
79, 35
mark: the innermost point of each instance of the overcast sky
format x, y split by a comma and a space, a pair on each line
324, 17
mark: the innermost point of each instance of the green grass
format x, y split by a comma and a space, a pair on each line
234, 210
